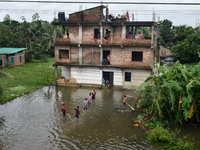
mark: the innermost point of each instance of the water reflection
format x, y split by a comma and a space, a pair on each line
34, 121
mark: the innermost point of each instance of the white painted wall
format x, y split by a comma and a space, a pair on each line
65, 70
137, 77
93, 75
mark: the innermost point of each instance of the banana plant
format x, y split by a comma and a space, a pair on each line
176, 93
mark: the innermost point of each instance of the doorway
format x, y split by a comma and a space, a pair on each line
106, 57
108, 76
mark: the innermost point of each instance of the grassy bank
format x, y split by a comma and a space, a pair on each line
25, 78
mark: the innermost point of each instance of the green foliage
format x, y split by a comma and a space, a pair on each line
181, 33
187, 50
36, 36
182, 144
159, 135
166, 139
146, 97
154, 122
26, 78
175, 92
183, 41
166, 33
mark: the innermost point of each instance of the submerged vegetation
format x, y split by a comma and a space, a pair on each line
22, 79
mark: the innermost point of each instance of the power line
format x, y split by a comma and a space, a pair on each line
105, 2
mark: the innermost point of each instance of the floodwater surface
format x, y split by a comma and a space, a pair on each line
35, 122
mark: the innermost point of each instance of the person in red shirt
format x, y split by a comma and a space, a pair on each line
63, 109
77, 112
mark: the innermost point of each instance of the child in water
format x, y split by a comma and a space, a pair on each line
124, 100
77, 112
85, 104
63, 109
89, 98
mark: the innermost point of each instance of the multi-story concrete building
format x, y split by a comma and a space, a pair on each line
92, 46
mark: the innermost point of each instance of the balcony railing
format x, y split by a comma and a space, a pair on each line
120, 42
62, 40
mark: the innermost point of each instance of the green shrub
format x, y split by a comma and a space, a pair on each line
146, 98
182, 144
159, 135
167, 139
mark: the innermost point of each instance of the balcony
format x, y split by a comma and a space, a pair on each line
62, 39
133, 41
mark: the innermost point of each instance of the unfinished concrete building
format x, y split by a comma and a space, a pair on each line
92, 46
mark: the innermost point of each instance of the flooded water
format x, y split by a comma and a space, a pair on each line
34, 121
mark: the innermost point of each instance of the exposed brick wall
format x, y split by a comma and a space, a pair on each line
3, 58
123, 57
74, 34
91, 55
89, 15
92, 15
88, 34
117, 34
74, 17
17, 60
118, 56
74, 54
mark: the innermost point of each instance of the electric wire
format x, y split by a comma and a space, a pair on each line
105, 2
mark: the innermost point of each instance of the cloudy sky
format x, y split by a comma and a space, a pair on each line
178, 14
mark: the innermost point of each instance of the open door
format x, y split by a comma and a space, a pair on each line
108, 76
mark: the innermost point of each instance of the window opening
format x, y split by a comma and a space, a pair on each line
1, 62
128, 76
96, 35
20, 58
12, 60
106, 57
63, 54
106, 35
137, 56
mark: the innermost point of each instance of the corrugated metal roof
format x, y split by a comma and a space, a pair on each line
4, 50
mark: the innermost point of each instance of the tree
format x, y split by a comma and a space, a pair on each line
181, 33
166, 33
36, 36
186, 50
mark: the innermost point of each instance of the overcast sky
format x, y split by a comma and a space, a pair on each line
178, 14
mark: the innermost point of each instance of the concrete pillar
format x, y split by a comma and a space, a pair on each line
56, 71
80, 46
101, 33
123, 31
80, 34
152, 46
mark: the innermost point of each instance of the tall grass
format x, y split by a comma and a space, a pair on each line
26, 78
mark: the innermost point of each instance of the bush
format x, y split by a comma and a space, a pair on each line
159, 135
163, 136
146, 98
